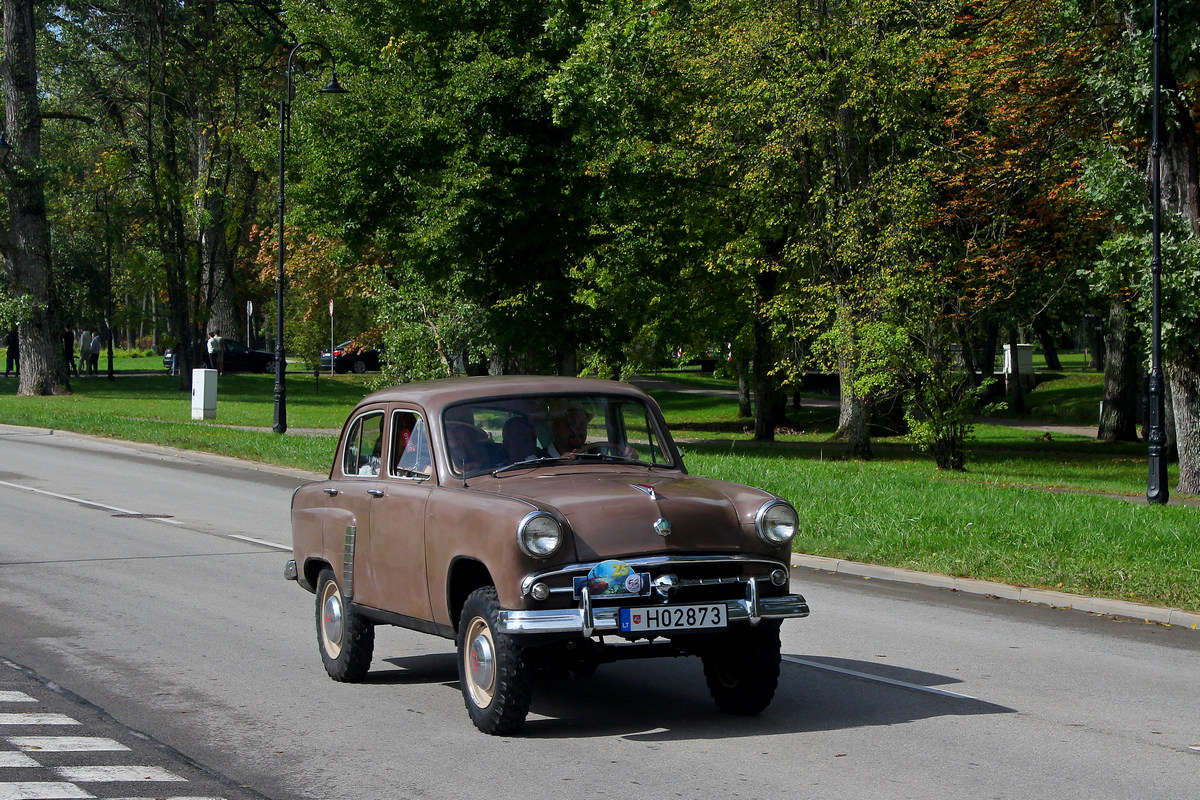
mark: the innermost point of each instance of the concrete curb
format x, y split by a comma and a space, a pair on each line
1093, 605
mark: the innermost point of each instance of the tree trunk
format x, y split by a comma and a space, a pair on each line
1180, 176
987, 367
1185, 402
211, 204
1049, 350
765, 284
966, 354
164, 181
745, 407
764, 422
1096, 339
1121, 376
27, 244
1013, 376
854, 415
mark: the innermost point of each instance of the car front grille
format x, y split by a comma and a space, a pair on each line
680, 579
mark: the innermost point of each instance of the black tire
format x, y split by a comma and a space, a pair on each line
346, 640
492, 669
269, 368
742, 668
359, 366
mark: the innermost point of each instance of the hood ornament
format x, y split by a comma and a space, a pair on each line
646, 488
662, 527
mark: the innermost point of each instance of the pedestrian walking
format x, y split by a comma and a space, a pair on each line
218, 351
12, 341
69, 352
209, 355
85, 345
94, 354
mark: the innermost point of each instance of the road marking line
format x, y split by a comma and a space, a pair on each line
17, 760
116, 774
15, 697
879, 679
42, 790
66, 744
81, 501
36, 719
286, 548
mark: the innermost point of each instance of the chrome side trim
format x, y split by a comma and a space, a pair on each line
587, 621
646, 562
348, 562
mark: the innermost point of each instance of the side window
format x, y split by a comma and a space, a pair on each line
640, 434
364, 444
410, 446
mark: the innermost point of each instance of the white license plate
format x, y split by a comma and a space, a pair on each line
673, 618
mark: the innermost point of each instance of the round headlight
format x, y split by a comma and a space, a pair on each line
776, 523
539, 534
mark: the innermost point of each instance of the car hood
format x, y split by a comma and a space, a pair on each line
615, 514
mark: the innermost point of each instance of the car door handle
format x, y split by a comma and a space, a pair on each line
331, 492
375, 492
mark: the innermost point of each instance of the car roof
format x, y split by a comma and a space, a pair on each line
437, 394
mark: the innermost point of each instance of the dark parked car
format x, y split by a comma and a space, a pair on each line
347, 358
238, 357
542, 524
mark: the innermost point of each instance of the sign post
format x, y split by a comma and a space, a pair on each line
331, 356
249, 316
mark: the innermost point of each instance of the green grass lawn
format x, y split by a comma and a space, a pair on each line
1028, 510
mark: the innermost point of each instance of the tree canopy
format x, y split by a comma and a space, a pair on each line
873, 187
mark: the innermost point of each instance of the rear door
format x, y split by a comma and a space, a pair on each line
353, 492
396, 580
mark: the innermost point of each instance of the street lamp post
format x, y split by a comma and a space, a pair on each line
285, 109
1156, 483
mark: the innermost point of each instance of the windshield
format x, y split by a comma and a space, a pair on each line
487, 435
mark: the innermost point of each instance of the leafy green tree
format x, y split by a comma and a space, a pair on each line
1122, 79
446, 159
173, 99
26, 239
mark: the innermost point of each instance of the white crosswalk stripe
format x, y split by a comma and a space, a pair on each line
15, 697
113, 774
36, 719
42, 790
68, 787
66, 744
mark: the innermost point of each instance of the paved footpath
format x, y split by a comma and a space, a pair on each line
56, 746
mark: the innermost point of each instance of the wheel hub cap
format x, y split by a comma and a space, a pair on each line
483, 663
332, 619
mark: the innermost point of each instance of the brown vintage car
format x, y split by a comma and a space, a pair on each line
541, 523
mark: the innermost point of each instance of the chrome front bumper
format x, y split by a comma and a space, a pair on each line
587, 620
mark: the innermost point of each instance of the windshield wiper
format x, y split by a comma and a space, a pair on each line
608, 458
530, 463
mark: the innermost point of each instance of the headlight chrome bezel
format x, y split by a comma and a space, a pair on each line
767, 522
533, 533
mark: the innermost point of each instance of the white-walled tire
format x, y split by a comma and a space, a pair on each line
492, 669
345, 639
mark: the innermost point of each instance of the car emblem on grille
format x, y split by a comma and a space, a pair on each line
662, 527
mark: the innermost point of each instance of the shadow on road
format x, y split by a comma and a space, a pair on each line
667, 700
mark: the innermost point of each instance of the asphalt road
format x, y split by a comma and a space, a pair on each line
182, 628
